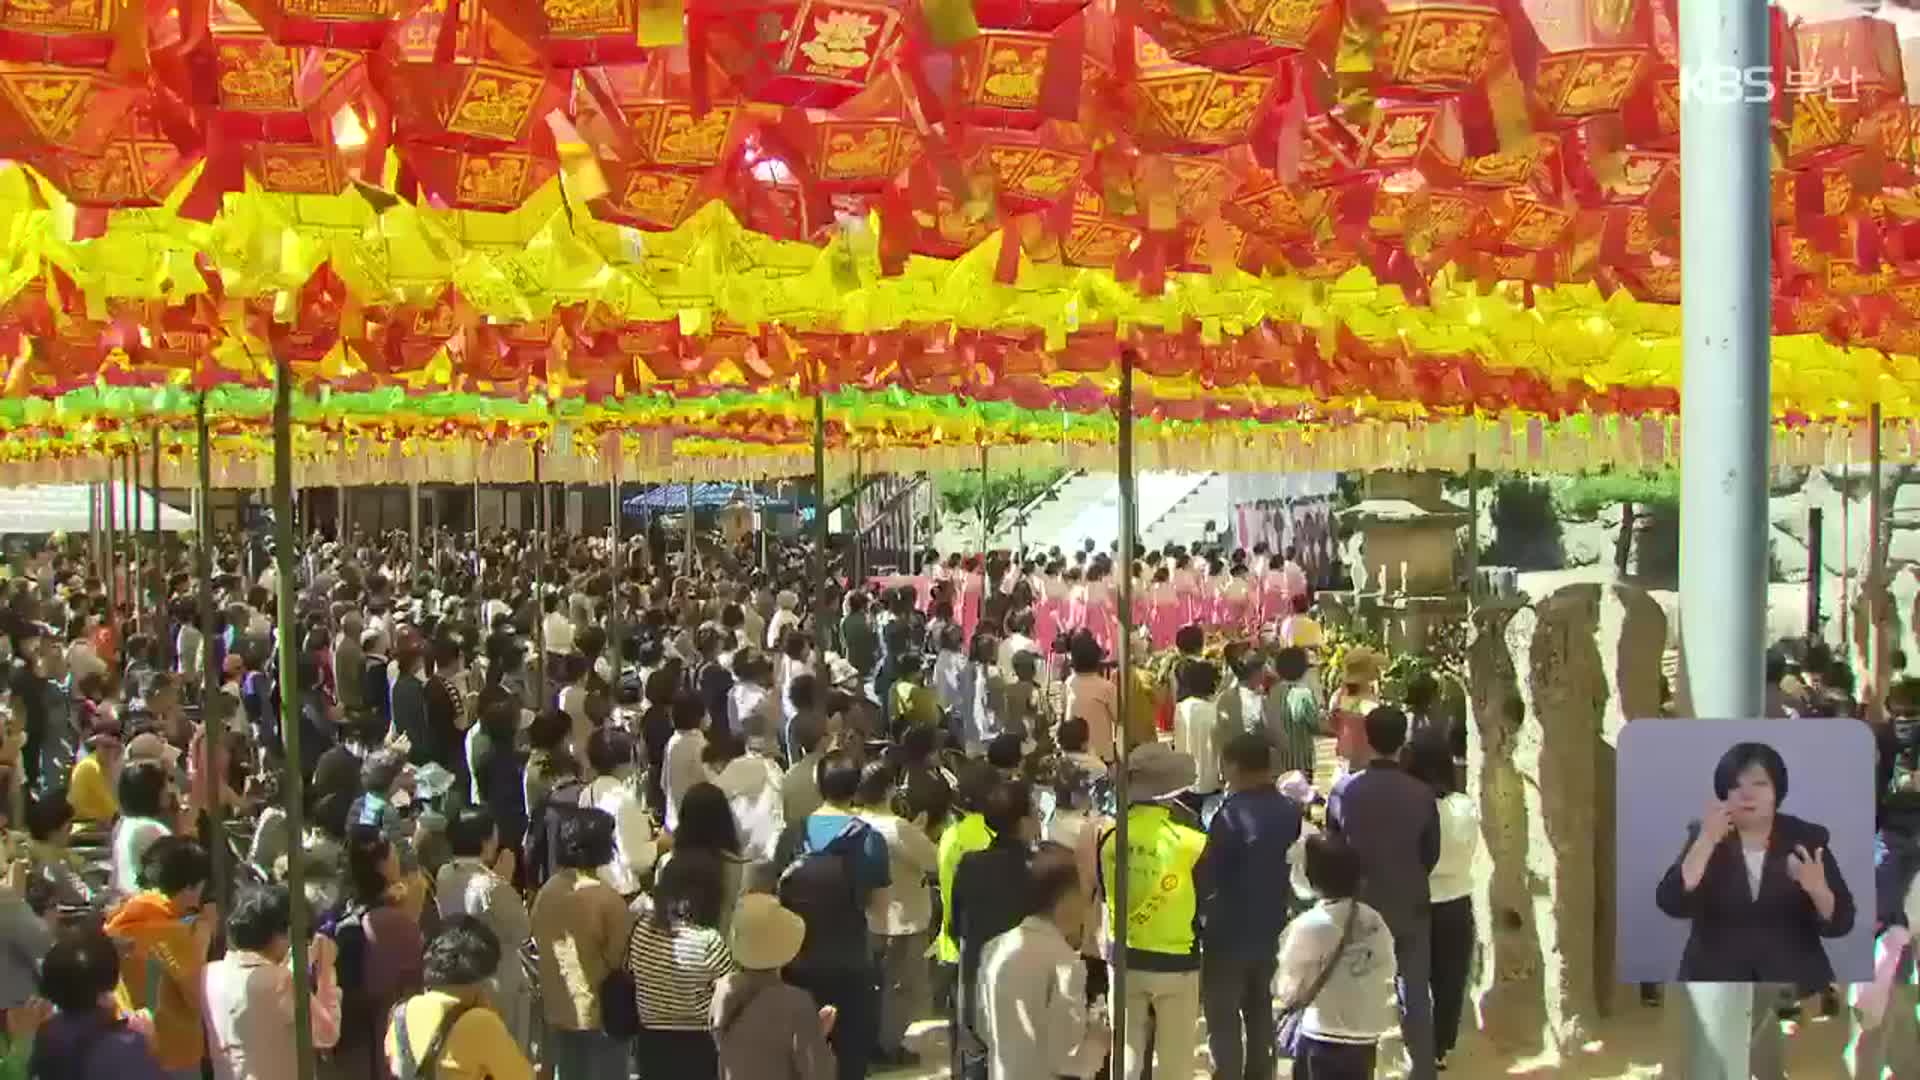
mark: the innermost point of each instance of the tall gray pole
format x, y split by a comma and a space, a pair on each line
540, 576
159, 549
822, 608
1725, 420
1879, 648
984, 539
211, 715
136, 552
290, 704
413, 531
1123, 703
1473, 527
106, 563
615, 633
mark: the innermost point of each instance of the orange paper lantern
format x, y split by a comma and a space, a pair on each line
1592, 54
346, 24
574, 33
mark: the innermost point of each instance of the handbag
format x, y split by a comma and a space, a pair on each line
619, 998
1286, 1031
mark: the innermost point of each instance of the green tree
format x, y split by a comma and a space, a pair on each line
1636, 493
961, 493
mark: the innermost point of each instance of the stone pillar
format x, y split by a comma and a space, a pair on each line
1551, 685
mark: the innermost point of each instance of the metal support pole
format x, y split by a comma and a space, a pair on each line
137, 554
290, 707
413, 530
1879, 647
615, 630
94, 520
1815, 521
212, 718
688, 571
159, 548
340, 513
106, 564
760, 527
983, 503
1725, 422
1473, 528
540, 577
1846, 548
1122, 709
822, 609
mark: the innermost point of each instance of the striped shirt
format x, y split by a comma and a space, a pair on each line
674, 971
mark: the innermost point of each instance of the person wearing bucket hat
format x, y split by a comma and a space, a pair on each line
765, 1028
1163, 892
1360, 672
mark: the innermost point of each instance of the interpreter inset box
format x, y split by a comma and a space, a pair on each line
1745, 851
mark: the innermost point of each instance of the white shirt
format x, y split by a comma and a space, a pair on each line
633, 846
1357, 1005
1452, 876
906, 906
682, 769
1014, 646
752, 785
1196, 730
1756, 862
778, 626
558, 630
1033, 1006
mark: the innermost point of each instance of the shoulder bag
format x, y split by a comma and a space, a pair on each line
1286, 1032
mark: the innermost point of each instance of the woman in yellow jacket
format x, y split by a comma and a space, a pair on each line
163, 934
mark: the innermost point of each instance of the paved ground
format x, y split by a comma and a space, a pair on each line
1629, 1048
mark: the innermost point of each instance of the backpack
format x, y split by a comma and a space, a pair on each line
822, 888
543, 829
349, 933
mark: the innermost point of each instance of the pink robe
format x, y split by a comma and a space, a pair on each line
1275, 601
1186, 585
972, 585
1096, 613
1234, 607
1165, 615
1049, 611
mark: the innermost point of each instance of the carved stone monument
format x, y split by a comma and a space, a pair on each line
1552, 683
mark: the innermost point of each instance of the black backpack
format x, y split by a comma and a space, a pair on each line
543, 829
821, 886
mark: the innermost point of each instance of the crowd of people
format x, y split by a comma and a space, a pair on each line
578, 805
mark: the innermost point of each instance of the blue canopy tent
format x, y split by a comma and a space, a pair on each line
672, 498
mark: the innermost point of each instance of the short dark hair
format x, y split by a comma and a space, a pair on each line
469, 830
839, 778
1008, 803
803, 691
48, 815
1190, 638
260, 914
1429, 759
381, 770
464, 952
877, 783
585, 839
174, 864
143, 789
1333, 867
1290, 663
549, 729
1386, 730
1742, 756
1052, 873
688, 714
1006, 751
1248, 752
1073, 734
608, 749
79, 969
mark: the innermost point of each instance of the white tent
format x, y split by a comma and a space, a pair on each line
63, 508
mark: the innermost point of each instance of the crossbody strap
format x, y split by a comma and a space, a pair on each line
1326, 973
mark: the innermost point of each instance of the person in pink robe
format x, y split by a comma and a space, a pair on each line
1186, 586
1235, 611
1274, 604
1096, 606
1165, 612
971, 587
1049, 605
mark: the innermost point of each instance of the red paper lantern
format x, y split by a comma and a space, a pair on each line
481, 104
1177, 106
1029, 170
652, 197
507, 357
1592, 54
998, 76
574, 33
1233, 36
813, 53
945, 231
405, 338
80, 33
346, 24
140, 164
45, 106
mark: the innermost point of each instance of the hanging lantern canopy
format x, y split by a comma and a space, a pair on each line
1175, 106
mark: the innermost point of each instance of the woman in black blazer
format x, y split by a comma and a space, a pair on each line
1759, 886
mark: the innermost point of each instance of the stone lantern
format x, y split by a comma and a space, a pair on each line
1399, 550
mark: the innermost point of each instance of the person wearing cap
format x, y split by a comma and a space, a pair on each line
1163, 896
764, 1028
